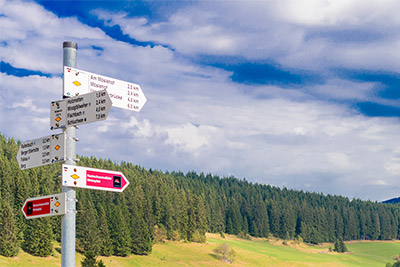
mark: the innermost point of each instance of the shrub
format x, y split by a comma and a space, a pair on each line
340, 246
174, 235
90, 260
225, 252
244, 236
197, 237
160, 233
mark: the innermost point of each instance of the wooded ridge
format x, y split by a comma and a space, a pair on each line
172, 205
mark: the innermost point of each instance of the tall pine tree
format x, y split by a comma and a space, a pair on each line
9, 243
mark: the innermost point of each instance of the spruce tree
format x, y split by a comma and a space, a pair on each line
119, 232
38, 237
141, 236
38, 234
90, 260
142, 241
105, 244
9, 243
5, 185
182, 218
88, 233
20, 196
274, 215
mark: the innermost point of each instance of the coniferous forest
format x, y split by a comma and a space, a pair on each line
176, 206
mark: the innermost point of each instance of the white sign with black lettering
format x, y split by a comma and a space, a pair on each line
123, 94
80, 109
42, 151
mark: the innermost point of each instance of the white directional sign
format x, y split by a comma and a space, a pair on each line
83, 177
80, 109
45, 206
41, 151
123, 94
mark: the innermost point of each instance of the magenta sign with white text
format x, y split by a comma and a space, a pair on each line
90, 178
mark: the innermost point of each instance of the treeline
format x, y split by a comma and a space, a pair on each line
158, 206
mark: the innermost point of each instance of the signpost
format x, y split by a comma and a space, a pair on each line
42, 151
80, 109
45, 206
89, 97
90, 178
123, 94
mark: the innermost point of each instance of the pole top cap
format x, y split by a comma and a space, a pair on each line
70, 44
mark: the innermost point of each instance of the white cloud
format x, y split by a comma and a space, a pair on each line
34, 42
344, 89
297, 34
393, 168
195, 117
340, 160
141, 129
338, 12
29, 105
25, 103
191, 138
187, 31
300, 131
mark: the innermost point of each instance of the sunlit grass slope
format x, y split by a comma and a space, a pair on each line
256, 252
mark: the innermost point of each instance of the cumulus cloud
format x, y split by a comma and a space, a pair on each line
186, 31
191, 138
344, 89
295, 34
34, 42
196, 117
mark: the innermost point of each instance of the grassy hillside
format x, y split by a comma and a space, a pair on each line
256, 252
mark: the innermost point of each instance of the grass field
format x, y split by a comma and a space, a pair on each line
256, 252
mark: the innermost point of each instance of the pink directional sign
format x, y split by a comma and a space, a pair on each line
83, 177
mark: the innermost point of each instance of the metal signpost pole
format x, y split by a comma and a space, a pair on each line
69, 219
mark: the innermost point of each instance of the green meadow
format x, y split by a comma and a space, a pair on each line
255, 252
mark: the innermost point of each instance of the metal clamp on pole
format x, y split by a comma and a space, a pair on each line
61, 127
72, 199
75, 160
76, 139
72, 211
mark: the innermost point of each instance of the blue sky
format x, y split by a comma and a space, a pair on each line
301, 94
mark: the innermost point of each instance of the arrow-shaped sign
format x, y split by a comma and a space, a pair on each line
123, 94
80, 109
41, 151
45, 206
83, 177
